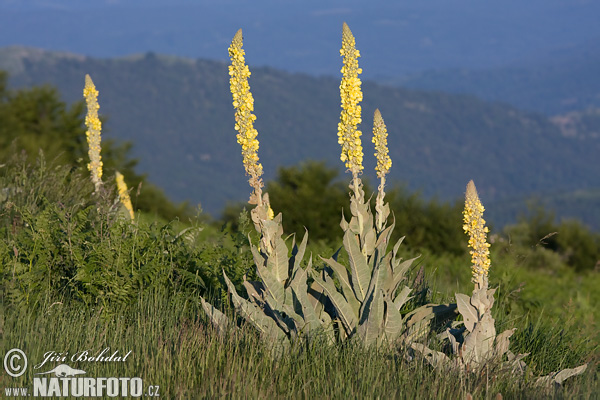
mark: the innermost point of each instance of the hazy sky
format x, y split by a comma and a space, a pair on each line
394, 37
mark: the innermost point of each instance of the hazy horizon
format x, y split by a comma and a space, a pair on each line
395, 38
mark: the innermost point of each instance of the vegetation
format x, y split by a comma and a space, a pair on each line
188, 359
37, 118
438, 141
289, 317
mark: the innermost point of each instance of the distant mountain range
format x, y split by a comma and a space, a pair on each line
564, 81
179, 116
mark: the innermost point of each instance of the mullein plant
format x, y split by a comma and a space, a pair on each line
384, 163
124, 194
370, 293
281, 306
473, 341
94, 128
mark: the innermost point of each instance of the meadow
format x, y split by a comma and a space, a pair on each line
247, 310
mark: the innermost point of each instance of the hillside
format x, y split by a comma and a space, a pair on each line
178, 113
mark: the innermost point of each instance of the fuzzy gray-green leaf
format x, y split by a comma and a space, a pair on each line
479, 344
469, 313
361, 275
217, 318
278, 262
397, 246
503, 342
343, 309
369, 241
392, 321
299, 255
371, 324
399, 272
251, 313
435, 358
384, 237
402, 298
273, 288
255, 290
561, 376
342, 274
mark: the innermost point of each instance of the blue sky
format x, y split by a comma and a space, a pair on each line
395, 37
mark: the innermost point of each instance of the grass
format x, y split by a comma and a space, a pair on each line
173, 347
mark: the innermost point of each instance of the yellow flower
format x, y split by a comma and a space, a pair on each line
474, 225
351, 96
384, 163
124, 193
93, 132
243, 102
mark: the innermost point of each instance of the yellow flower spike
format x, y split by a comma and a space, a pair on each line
92, 122
243, 103
474, 225
124, 194
384, 163
351, 96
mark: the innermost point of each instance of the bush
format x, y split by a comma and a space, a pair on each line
62, 243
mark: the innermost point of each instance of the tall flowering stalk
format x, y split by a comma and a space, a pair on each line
280, 305
94, 127
384, 163
474, 225
476, 345
244, 118
351, 96
124, 193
